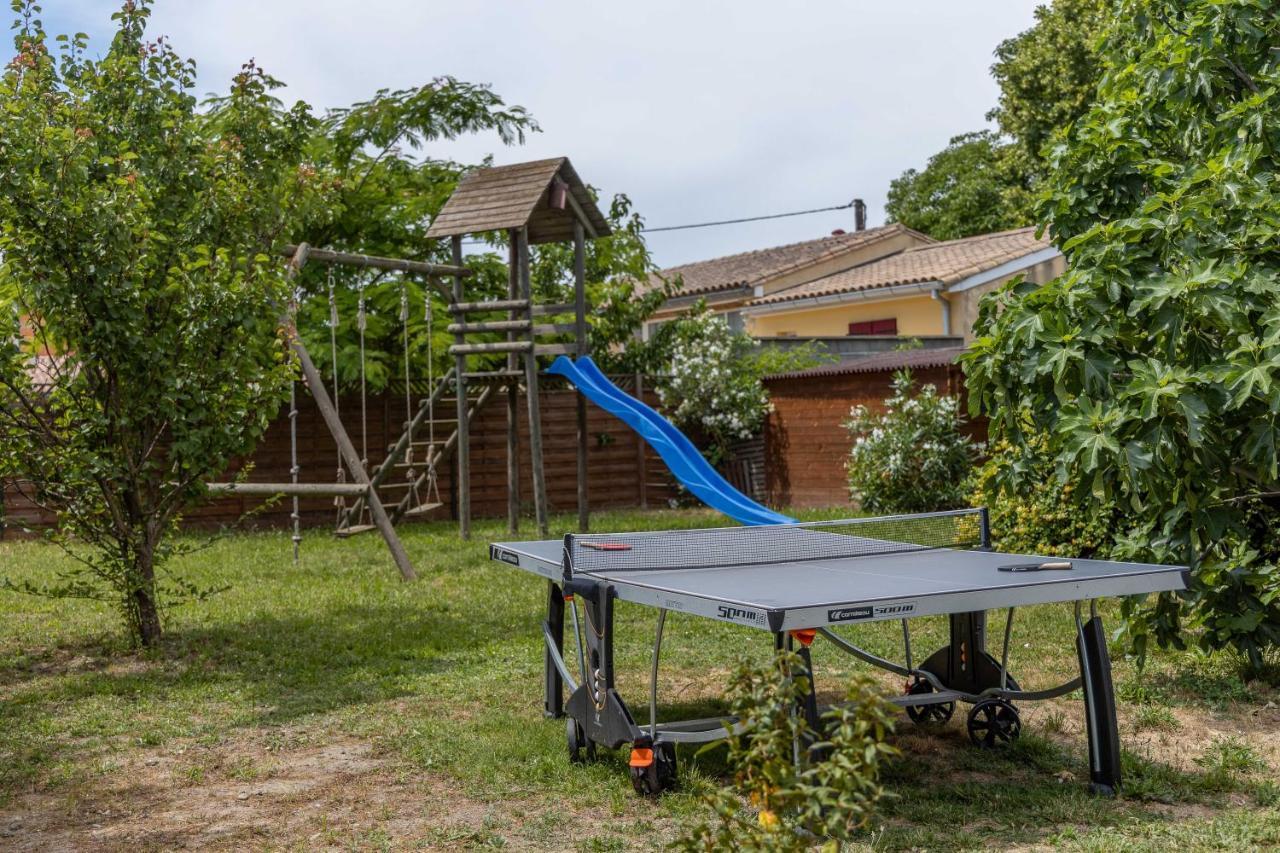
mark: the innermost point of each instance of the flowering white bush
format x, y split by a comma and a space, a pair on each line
712, 381
912, 457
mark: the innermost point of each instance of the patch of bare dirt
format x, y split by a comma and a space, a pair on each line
242, 794
1196, 731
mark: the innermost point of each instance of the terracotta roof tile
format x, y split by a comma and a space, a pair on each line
946, 263
750, 268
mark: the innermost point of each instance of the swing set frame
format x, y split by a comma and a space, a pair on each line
542, 201
362, 488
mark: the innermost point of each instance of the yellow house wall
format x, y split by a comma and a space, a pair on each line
916, 315
964, 314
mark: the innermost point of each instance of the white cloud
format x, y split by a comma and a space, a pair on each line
697, 110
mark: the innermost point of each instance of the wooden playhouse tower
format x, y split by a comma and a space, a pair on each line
538, 202
543, 201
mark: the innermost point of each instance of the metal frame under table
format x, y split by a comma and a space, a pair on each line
799, 581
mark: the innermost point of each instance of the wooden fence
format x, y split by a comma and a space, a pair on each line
806, 443
799, 461
622, 470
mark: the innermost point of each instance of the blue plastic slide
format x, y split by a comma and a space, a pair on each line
684, 460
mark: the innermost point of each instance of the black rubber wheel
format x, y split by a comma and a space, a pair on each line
659, 775
581, 749
937, 714
665, 753
993, 722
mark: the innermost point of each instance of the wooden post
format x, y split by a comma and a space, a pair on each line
513, 392
531, 391
580, 332
641, 459
464, 427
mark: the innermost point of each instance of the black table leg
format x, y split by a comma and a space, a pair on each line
554, 702
1100, 708
810, 701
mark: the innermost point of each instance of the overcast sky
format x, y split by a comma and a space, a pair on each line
697, 110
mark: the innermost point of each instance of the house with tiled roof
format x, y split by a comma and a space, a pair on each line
887, 282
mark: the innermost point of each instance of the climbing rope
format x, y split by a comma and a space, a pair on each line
433, 487
294, 469
411, 475
339, 502
408, 393
362, 324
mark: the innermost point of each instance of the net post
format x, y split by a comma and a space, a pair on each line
566, 559
984, 525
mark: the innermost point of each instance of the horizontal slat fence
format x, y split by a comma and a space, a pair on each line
617, 477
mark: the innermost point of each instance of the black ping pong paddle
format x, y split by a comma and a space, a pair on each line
1059, 565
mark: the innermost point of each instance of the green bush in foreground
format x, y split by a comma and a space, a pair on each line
830, 794
912, 457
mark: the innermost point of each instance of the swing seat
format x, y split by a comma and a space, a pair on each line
422, 509
354, 530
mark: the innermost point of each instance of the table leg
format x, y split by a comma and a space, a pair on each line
1099, 705
810, 701
554, 696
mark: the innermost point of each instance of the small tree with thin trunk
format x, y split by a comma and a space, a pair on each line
141, 299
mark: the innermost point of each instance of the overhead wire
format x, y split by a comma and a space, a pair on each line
718, 222
749, 218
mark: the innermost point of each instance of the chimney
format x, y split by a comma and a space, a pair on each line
859, 215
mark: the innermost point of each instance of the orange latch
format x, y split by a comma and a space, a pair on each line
805, 636
641, 757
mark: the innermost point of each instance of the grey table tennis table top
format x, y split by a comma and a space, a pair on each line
773, 592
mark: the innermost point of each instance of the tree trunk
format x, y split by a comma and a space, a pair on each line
146, 609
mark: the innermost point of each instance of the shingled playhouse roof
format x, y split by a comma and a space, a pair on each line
519, 195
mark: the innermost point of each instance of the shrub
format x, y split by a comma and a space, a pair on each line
713, 382
912, 457
833, 790
1034, 512
1152, 365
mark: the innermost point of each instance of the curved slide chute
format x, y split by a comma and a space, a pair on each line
675, 448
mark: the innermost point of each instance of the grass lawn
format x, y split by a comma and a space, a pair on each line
329, 705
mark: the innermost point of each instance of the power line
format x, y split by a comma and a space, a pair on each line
854, 203
750, 218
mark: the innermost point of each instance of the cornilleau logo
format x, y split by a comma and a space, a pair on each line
506, 556
739, 614
850, 614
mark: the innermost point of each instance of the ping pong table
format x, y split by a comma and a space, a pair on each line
802, 581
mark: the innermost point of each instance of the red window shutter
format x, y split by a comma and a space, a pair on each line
875, 327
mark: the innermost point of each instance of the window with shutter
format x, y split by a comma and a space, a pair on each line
875, 327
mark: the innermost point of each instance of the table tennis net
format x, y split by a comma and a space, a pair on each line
762, 545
